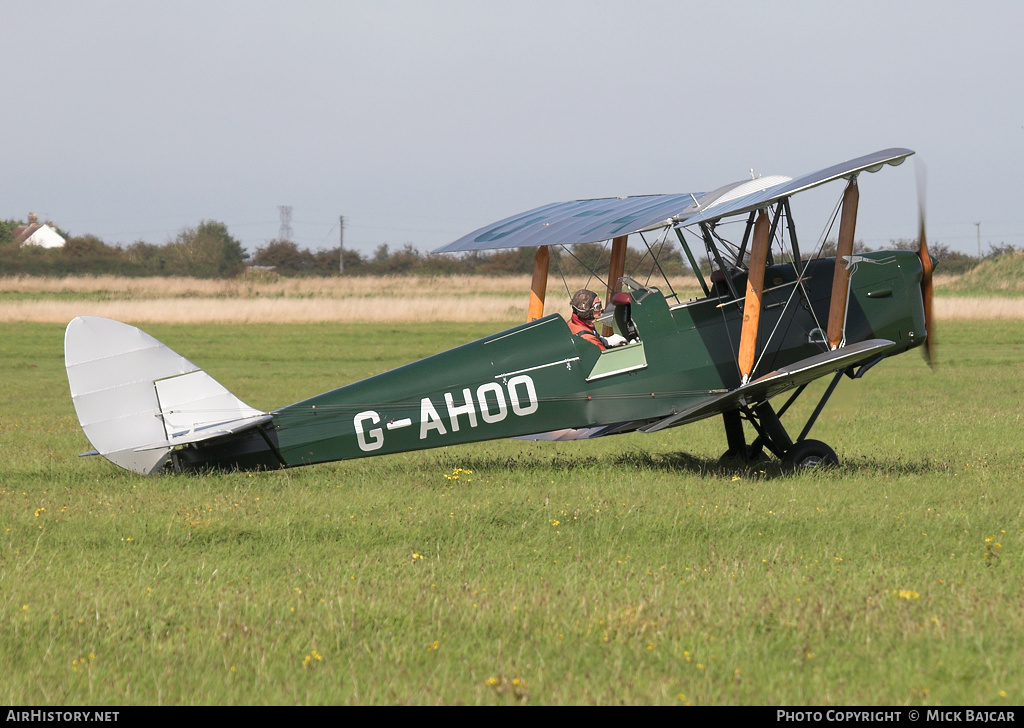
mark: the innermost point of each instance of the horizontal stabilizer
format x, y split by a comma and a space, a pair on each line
778, 381
136, 399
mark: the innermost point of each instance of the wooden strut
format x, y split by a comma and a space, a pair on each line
615, 270
539, 285
841, 278
752, 304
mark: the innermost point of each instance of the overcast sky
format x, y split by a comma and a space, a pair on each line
420, 121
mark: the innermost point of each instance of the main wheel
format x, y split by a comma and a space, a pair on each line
811, 454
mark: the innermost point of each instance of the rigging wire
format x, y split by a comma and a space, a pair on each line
587, 268
656, 262
558, 269
800, 279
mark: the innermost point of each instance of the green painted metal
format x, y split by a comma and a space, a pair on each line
693, 261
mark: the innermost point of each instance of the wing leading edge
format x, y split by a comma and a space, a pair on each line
740, 205
779, 381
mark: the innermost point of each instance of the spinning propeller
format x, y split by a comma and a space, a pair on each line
926, 267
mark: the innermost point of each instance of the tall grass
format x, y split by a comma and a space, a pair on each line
121, 288
276, 310
1000, 275
979, 309
628, 570
356, 299
468, 307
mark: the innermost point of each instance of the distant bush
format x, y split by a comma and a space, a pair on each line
7, 228
85, 254
206, 251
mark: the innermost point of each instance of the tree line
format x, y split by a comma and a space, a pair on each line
205, 251
210, 251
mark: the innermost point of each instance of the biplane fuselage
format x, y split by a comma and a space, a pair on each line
539, 378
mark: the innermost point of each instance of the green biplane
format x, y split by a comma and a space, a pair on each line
770, 321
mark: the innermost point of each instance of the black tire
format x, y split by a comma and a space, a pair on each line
811, 454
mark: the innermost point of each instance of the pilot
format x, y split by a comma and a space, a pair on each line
587, 306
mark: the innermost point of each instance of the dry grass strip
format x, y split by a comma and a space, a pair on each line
114, 287
979, 309
362, 299
272, 287
271, 310
372, 309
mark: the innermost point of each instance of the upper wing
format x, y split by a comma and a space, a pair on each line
714, 206
591, 221
579, 221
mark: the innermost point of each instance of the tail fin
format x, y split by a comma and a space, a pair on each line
137, 400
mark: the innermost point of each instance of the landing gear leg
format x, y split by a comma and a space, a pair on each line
772, 435
739, 451
800, 454
771, 430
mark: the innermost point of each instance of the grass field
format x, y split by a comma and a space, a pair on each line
627, 570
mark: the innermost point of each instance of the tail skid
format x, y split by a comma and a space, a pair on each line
137, 400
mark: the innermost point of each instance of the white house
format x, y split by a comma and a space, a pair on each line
37, 233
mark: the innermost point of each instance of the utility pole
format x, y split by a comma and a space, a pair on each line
341, 245
978, 225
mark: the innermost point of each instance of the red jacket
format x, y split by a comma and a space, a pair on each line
586, 330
